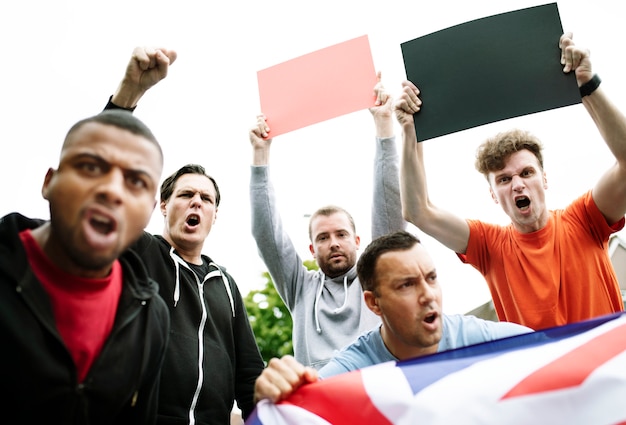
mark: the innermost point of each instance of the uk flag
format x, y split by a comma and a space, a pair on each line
573, 374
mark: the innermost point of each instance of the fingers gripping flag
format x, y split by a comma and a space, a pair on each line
573, 374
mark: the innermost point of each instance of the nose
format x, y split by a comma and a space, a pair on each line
517, 183
427, 295
334, 241
112, 187
196, 200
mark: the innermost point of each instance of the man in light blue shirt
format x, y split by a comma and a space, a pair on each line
400, 285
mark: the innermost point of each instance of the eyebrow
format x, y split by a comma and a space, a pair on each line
98, 158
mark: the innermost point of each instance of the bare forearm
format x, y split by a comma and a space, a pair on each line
260, 156
384, 127
413, 190
450, 230
127, 95
610, 122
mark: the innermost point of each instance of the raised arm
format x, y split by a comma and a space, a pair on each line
609, 192
386, 206
146, 67
260, 143
273, 243
450, 230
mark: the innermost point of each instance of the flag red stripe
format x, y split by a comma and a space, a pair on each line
339, 400
573, 368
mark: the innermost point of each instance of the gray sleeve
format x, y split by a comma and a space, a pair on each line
273, 243
386, 205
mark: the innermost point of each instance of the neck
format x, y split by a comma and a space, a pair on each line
400, 349
191, 254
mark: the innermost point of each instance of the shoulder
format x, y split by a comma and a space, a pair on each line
364, 351
150, 243
472, 329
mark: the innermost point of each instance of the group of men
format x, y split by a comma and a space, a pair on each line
105, 323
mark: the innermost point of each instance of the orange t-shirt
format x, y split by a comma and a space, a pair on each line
559, 274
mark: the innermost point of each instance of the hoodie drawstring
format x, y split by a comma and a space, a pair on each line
345, 295
318, 328
226, 285
317, 298
179, 261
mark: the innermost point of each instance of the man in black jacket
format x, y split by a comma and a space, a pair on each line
83, 330
212, 358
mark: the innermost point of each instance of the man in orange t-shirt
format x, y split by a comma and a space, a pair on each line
546, 268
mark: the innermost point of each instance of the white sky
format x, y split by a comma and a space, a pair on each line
62, 60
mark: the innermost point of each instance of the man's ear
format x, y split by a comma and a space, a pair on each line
45, 188
372, 302
163, 208
545, 181
312, 249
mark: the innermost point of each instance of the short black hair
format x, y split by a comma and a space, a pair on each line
119, 118
366, 266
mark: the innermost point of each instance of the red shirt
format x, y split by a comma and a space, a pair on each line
84, 309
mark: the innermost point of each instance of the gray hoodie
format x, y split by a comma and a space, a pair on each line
328, 314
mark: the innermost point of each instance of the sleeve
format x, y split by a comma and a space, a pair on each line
249, 362
273, 243
505, 329
477, 253
386, 205
478, 330
592, 219
110, 105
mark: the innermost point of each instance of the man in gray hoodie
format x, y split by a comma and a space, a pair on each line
326, 305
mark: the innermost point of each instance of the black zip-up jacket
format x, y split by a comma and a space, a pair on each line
212, 358
38, 378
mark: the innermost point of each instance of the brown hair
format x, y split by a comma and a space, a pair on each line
328, 211
493, 152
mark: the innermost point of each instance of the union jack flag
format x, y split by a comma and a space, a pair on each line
572, 374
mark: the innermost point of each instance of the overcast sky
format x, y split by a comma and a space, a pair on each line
63, 59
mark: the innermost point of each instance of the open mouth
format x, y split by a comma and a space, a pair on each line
102, 224
430, 318
522, 202
193, 220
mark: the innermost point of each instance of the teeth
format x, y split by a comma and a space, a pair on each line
100, 219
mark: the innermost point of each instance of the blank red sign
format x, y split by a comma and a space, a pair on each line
318, 86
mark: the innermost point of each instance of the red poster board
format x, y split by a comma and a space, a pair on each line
318, 86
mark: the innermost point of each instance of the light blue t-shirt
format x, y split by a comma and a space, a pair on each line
458, 331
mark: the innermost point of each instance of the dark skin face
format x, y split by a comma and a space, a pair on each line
101, 198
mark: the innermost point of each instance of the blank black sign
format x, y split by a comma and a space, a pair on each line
488, 70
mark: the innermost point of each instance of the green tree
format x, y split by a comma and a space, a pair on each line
270, 320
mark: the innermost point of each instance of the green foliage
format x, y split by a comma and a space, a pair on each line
270, 320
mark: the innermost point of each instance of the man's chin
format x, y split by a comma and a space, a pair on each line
337, 270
